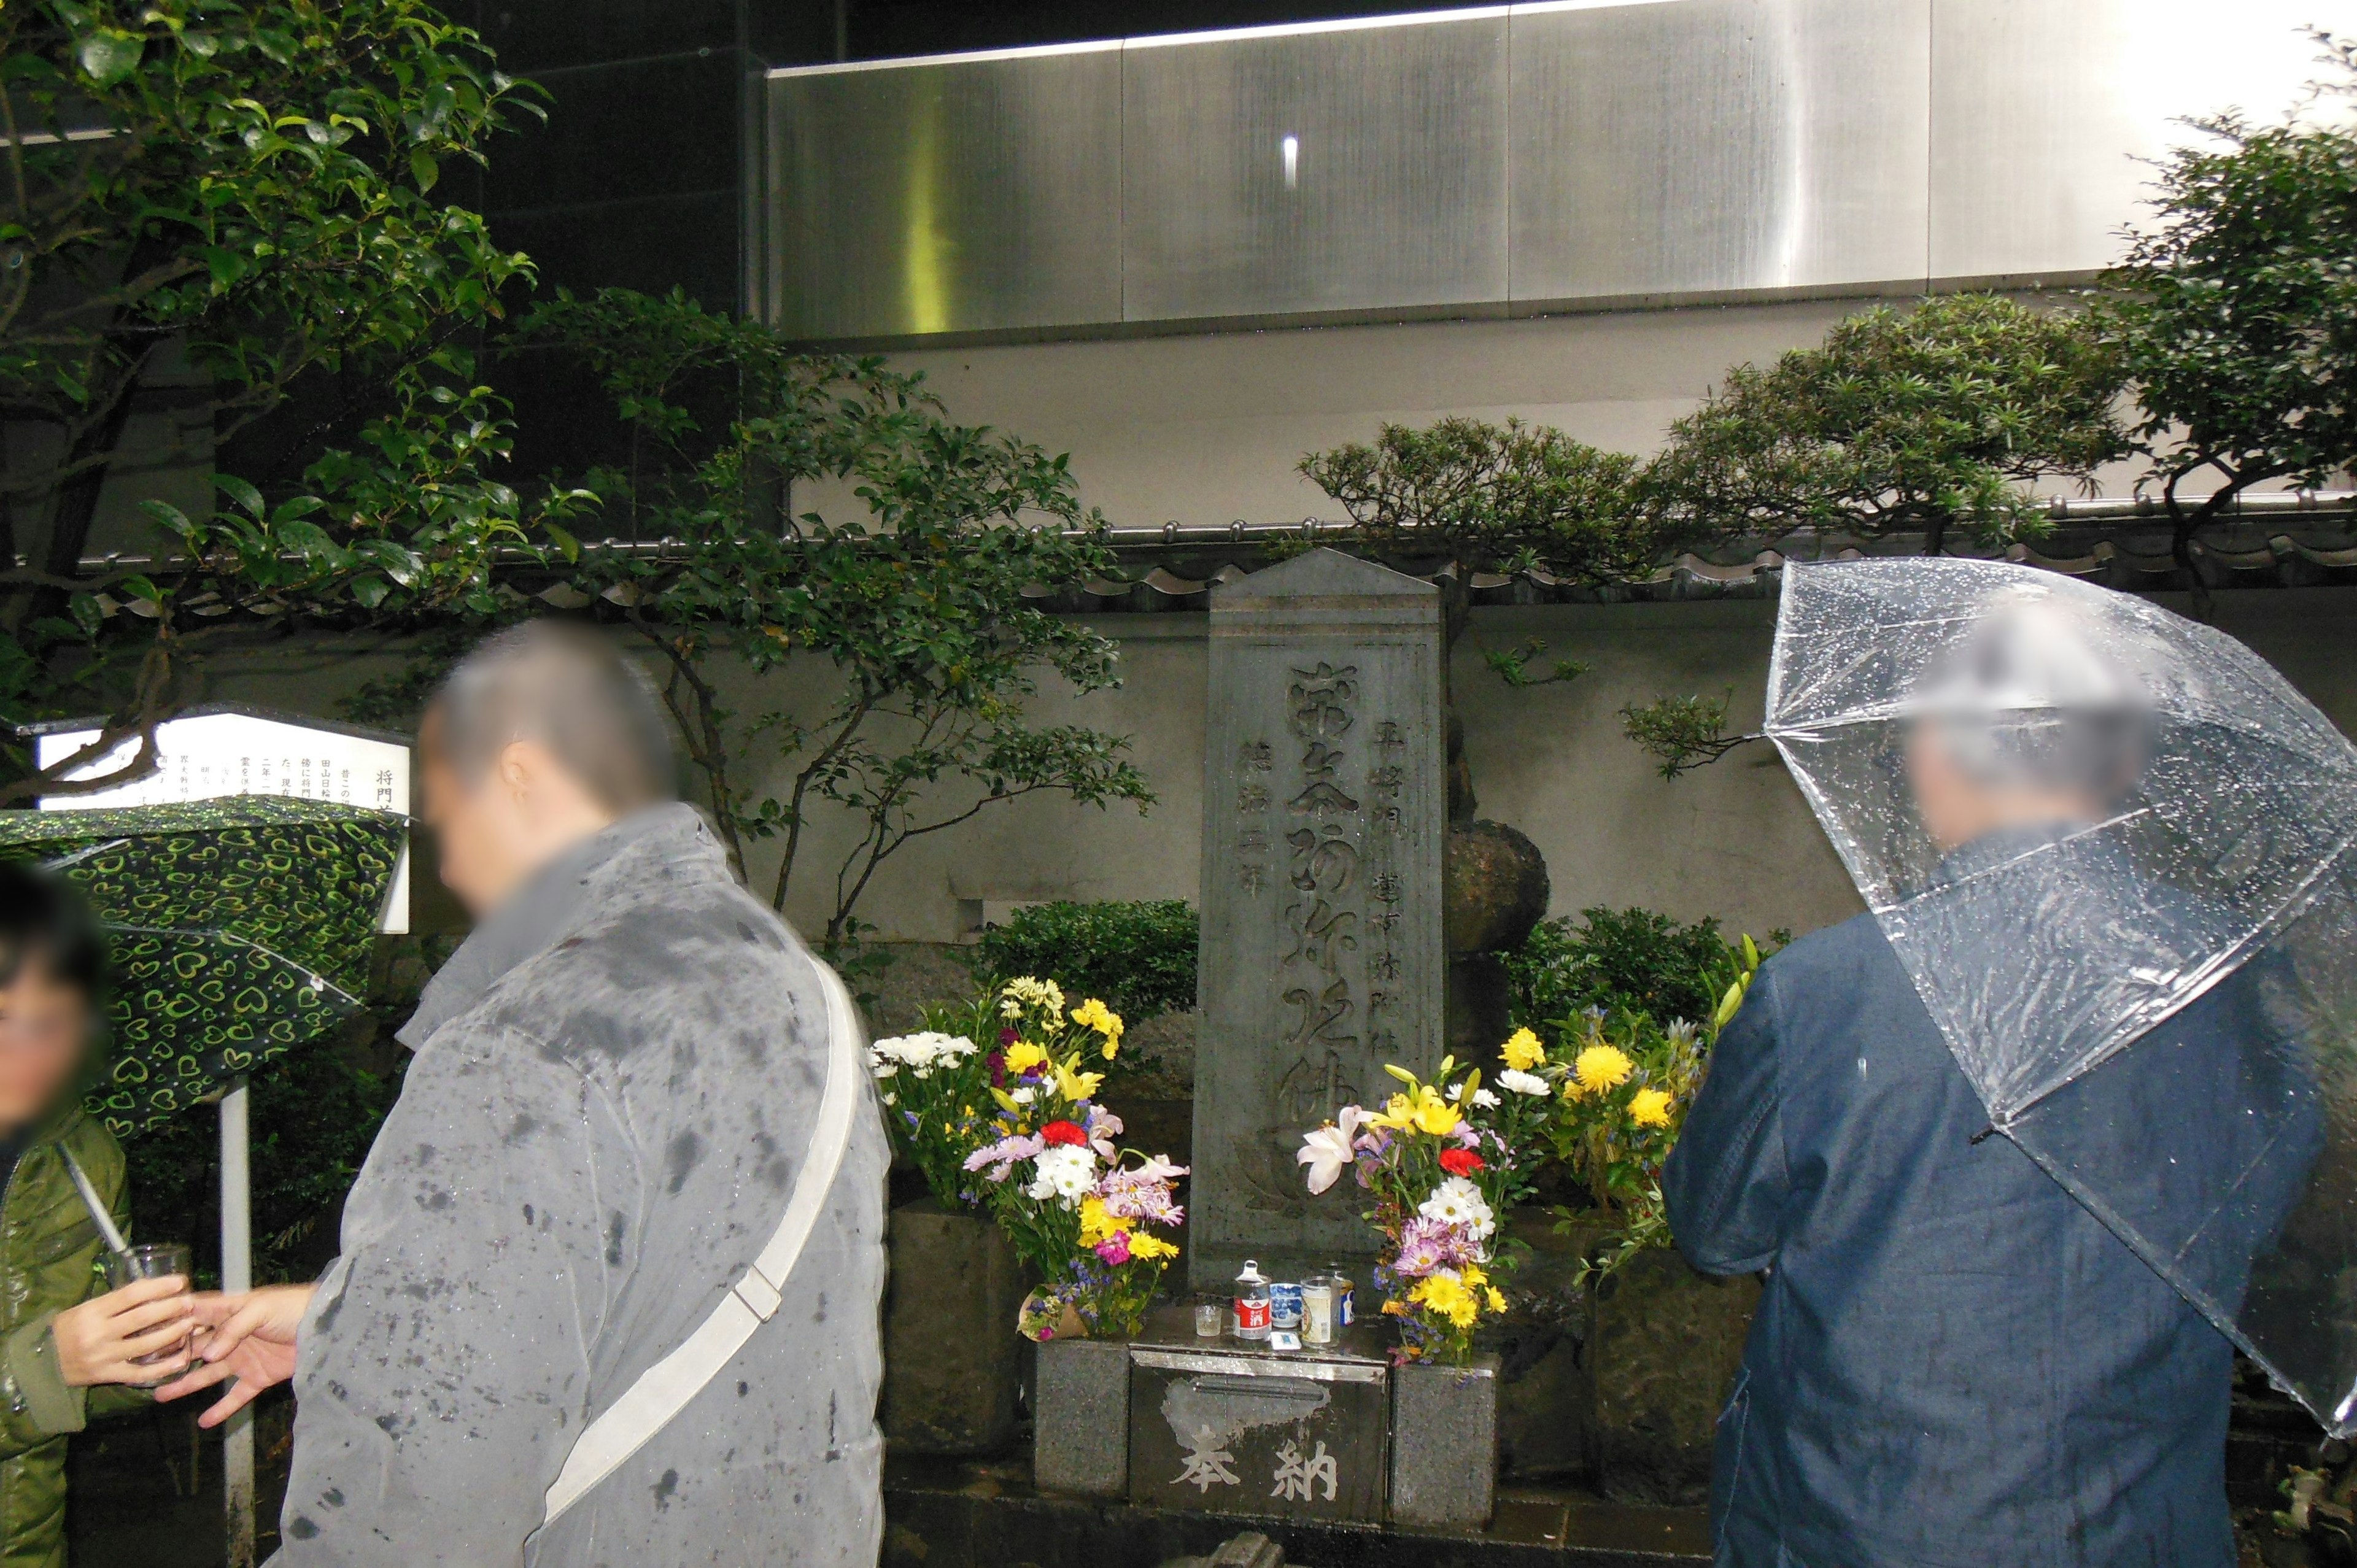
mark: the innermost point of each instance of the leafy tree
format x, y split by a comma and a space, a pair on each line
1930, 420
1493, 498
2234, 315
246, 185
918, 589
1684, 733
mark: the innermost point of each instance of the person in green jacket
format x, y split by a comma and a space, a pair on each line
67, 1347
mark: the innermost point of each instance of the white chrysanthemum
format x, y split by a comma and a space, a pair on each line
1065, 1174
1459, 1202
927, 1049
886, 1068
1522, 1082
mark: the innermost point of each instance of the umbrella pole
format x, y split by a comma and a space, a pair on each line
237, 1274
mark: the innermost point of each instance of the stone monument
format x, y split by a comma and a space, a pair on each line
1324, 826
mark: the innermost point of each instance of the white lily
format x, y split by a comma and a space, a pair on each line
1327, 1152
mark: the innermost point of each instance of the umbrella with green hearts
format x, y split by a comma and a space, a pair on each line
239, 929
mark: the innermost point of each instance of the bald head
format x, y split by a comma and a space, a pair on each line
540, 738
568, 690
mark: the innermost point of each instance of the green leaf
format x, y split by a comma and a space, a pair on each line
165, 515
370, 591
423, 170
109, 55
242, 495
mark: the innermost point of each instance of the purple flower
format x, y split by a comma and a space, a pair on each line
1004, 1156
1428, 1246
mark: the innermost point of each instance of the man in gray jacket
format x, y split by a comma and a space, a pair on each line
617, 1087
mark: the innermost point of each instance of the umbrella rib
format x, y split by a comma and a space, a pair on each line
78, 856
320, 982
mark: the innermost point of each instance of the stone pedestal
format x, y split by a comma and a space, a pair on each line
1443, 1443
1666, 1345
953, 1360
1079, 1418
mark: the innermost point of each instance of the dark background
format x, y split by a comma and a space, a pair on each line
636, 181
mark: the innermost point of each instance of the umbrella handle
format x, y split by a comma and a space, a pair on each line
90, 1200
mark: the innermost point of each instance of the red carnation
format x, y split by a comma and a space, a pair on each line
1062, 1133
1459, 1161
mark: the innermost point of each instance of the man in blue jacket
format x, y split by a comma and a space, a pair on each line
1955, 1362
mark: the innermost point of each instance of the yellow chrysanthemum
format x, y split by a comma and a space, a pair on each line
1144, 1246
1523, 1051
1600, 1067
1094, 1015
1097, 1225
1023, 1056
1447, 1297
1650, 1107
1497, 1301
1073, 1084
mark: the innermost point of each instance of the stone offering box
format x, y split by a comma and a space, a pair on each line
1332, 1431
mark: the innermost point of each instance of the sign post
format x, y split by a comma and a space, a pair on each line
225, 750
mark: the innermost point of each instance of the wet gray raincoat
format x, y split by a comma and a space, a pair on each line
616, 1081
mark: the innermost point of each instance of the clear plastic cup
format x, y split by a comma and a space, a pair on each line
151, 1260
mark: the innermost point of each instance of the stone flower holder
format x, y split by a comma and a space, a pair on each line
952, 1361
1443, 1443
1080, 1417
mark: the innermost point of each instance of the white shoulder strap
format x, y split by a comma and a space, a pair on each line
664, 1388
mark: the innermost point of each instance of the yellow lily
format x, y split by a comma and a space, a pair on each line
1072, 1083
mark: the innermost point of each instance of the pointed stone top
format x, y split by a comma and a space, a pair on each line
1325, 573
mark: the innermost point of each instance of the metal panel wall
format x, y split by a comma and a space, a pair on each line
1315, 171
1525, 156
2041, 113
960, 197
1718, 144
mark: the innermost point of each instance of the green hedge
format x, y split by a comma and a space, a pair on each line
1139, 957
1616, 958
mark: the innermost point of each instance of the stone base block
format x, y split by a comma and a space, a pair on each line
1667, 1344
1079, 1418
1444, 1444
953, 1360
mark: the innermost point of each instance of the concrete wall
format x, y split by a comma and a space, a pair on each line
1734, 840
1207, 428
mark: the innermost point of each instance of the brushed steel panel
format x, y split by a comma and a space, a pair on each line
1392, 195
2041, 113
1708, 145
950, 195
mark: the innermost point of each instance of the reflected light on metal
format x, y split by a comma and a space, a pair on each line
1292, 147
928, 301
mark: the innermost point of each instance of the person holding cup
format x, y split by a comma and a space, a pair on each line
70, 1347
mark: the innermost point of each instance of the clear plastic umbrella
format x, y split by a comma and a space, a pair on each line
2114, 849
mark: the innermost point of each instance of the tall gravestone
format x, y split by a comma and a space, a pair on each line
1324, 817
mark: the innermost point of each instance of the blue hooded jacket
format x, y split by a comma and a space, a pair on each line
1955, 1362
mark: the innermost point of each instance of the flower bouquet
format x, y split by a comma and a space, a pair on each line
1626, 1084
1044, 1163
935, 1085
1442, 1161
